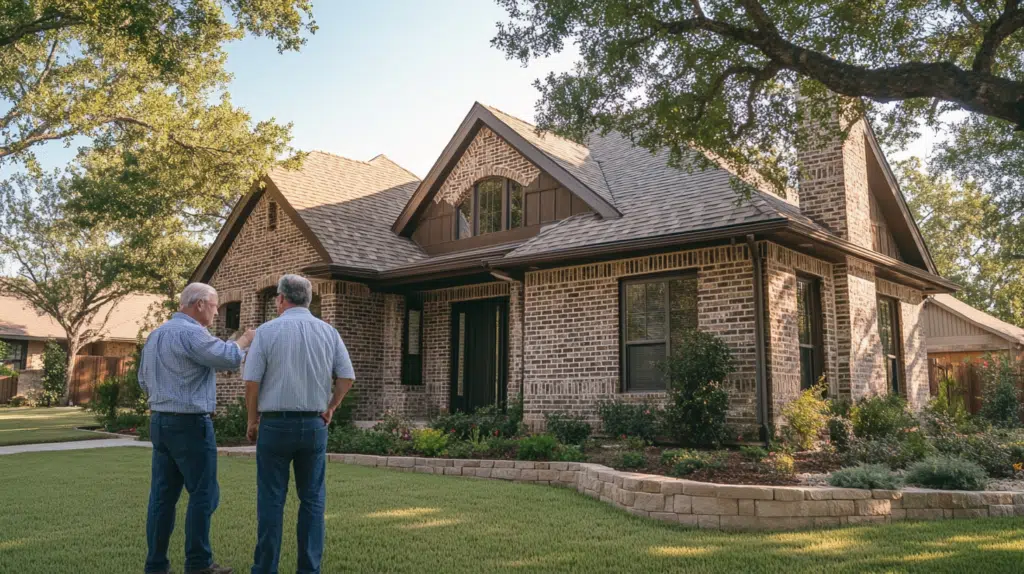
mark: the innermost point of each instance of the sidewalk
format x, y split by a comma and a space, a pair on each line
73, 445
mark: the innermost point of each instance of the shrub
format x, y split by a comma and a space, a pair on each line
840, 433
629, 419
632, 443
985, 449
18, 401
459, 449
753, 453
949, 403
881, 416
805, 417
55, 374
429, 442
394, 423
105, 401
568, 429
233, 422
894, 452
1000, 399
683, 462
947, 473
5, 371
631, 459
486, 421
866, 476
537, 447
358, 441
499, 447
697, 402
570, 453
840, 407
778, 464
127, 422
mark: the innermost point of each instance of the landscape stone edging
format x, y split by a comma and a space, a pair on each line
714, 506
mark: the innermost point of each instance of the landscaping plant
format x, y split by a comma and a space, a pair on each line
537, 447
896, 452
1000, 399
840, 433
753, 453
569, 453
778, 464
683, 462
947, 473
568, 429
866, 476
697, 402
55, 375
232, 422
881, 416
429, 442
631, 459
629, 419
805, 417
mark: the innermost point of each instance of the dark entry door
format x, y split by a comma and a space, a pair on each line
479, 354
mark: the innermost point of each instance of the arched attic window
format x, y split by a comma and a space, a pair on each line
495, 204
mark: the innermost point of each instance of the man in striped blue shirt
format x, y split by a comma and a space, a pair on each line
293, 363
177, 371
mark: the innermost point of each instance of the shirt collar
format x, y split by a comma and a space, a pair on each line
296, 311
180, 315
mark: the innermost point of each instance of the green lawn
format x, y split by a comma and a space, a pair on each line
35, 425
84, 512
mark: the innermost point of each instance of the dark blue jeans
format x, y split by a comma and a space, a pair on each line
184, 454
300, 443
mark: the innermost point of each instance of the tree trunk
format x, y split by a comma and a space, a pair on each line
74, 345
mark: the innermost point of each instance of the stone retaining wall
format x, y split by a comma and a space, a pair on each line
717, 506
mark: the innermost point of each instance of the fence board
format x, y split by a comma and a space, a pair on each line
967, 386
8, 388
89, 371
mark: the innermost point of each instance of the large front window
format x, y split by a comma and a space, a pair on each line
889, 332
808, 308
494, 204
656, 313
16, 353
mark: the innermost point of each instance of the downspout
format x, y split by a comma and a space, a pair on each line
759, 340
521, 319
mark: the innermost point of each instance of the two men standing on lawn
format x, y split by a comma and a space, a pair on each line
297, 372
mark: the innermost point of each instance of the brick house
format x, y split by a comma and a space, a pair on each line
525, 262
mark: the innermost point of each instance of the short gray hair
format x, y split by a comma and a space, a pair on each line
194, 293
296, 290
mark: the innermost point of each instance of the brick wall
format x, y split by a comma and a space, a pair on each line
487, 155
915, 351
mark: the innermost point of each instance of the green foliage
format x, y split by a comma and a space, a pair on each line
621, 419
840, 433
866, 476
5, 371
55, 374
948, 403
570, 453
632, 443
995, 453
429, 442
697, 402
128, 421
895, 452
537, 447
630, 459
568, 429
947, 473
344, 415
459, 449
778, 464
1000, 398
683, 462
881, 417
805, 417
353, 440
105, 401
840, 407
233, 422
486, 421
753, 453
19, 401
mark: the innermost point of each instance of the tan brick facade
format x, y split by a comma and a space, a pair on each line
487, 155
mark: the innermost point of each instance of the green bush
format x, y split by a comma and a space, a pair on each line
55, 374
568, 429
631, 459
354, 440
429, 442
777, 464
805, 417
683, 462
499, 447
19, 401
619, 419
840, 407
127, 422
881, 417
947, 473
1000, 399
537, 447
987, 450
486, 421
5, 371
894, 452
866, 476
753, 453
105, 401
948, 404
840, 433
697, 403
459, 449
233, 422
569, 453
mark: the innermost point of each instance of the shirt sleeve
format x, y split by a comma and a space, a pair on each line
210, 351
141, 370
342, 363
255, 360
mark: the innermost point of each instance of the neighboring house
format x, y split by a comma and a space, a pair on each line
958, 332
525, 262
25, 332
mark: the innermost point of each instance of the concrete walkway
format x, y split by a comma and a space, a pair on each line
73, 445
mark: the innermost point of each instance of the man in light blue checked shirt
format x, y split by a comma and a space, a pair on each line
296, 374
177, 372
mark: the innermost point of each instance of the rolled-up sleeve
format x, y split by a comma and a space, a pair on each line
342, 363
255, 360
210, 351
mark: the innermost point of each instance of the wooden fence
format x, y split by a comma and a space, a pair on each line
90, 371
967, 387
8, 388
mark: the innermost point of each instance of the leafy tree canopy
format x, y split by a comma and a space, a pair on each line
725, 76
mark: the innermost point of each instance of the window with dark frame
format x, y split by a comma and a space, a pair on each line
495, 204
268, 300
889, 332
271, 215
412, 343
314, 306
809, 319
232, 316
655, 315
17, 352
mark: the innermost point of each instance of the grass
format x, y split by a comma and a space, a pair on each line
84, 512
36, 425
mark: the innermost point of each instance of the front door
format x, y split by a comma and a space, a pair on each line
479, 354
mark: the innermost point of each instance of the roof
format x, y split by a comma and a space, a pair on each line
20, 320
980, 318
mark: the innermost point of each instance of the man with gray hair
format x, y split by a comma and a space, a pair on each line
177, 371
288, 375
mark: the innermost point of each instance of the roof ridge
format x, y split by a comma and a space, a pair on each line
392, 162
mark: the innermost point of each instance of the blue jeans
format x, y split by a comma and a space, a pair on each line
301, 443
184, 454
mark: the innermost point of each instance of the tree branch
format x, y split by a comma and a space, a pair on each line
52, 21
1011, 20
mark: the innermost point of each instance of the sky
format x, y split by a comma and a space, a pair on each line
390, 76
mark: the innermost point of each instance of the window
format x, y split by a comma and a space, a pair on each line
412, 341
232, 316
655, 315
268, 299
17, 351
808, 309
889, 331
495, 204
271, 215
314, 306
